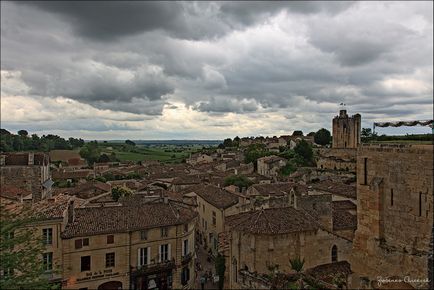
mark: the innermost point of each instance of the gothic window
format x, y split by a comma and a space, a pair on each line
334, 253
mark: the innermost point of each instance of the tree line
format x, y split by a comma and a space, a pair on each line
22, 141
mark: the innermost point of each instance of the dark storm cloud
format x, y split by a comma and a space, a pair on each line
191, 20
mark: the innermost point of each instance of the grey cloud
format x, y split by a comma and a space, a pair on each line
191, 20
226, 105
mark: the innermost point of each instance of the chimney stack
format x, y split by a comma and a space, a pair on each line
71, 214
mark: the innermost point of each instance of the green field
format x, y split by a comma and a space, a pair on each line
170, 154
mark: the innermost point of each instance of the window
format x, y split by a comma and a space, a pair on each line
185, 248
110, 239
185, 276
79, 243
47, 236
85, 263
334, 253
203, 207
214, 220
185, 228
8, 272
164, 253
144, 256
164, 232
109, 260
143, 235
47, 259
391, 197
206, 225
85, 242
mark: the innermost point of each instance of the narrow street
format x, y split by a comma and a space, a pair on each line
205, 267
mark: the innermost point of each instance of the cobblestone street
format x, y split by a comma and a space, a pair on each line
205, 267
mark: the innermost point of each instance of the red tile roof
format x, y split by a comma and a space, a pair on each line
116, 219
272, 221
337, 188
214, 195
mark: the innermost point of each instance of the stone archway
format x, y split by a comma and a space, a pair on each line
112, 285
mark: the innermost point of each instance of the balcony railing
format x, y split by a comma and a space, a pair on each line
187, 258
153, 267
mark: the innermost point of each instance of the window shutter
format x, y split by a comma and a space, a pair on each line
183, 248
139, 257
148, 258
159, 253
168, 254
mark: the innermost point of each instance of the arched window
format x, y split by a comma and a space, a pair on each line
334, 253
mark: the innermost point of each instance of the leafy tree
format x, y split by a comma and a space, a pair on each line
20, 252
297, 133
236, 142
289, 168
322, 137
23, 133
90, 152
221, 146
238, 180
129, 142
228, 142
103, 158
305, 151
220, 268
367, 135
119, 191
311, 134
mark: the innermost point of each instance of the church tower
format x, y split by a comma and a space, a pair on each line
346, 130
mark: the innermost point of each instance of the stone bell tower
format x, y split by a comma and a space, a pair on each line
346, 130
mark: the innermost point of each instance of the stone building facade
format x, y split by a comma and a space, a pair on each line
270, 165
269, 237
395, 213
28, 171
346, 130
141, 246
214, 204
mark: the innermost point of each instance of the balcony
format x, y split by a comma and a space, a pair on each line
153, 267
187, 258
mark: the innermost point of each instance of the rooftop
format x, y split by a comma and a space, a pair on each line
337, 188
272, 221
214, 195
117, 219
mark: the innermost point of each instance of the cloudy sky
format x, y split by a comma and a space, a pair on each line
207, 70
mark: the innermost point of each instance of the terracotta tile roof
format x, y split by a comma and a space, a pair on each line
13, 192
61, 175
76, 162
343, 220
337, 188
326, 272
214, 195
89, 189
280, 188
103, 220
187, 179
54, 208
272, 221
344, 205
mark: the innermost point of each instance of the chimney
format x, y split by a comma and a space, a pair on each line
31, 159
70, 210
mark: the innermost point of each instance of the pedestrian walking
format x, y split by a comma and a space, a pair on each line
202, 282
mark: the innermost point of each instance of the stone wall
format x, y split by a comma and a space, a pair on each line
395, 211
256, 252
337, 159
29, 178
